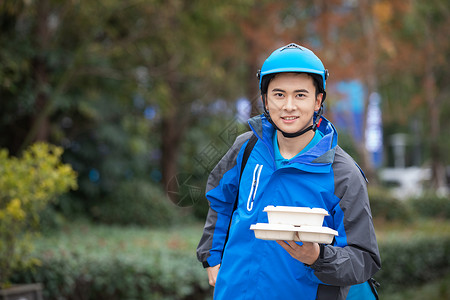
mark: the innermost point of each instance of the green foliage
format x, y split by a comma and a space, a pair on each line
120, 148
27, 185
435, 290
431, 205
82, 81
108, 262
347, 142
137, 202
158, 275
87, 261
386, 207
407, 263
205, 144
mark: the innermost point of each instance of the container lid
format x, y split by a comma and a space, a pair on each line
275, 227
294, 209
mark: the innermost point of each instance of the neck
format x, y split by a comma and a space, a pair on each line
290, 147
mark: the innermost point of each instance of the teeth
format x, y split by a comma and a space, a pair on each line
290, 118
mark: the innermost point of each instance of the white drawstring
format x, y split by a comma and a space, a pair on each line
254, 188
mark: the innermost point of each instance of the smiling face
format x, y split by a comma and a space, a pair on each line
291, 101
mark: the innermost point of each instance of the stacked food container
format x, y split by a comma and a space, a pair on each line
301, 224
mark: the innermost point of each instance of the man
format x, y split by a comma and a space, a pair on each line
295, 162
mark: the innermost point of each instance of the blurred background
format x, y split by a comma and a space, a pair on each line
144, 97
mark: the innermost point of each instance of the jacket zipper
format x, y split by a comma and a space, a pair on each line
254, 188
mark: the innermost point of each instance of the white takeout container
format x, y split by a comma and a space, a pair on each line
266, 231
313, 234
297, 216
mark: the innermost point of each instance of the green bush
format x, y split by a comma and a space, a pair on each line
407, 263
438, 289
386, 207
27, 185
431, 205
161, 275
137, 202
110, 262
87, 261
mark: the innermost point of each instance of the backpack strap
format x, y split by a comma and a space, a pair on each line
248, 149
373, 286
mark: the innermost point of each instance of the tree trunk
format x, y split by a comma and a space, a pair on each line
41, 72
430, 90
40, 118
253, 93
171, 133
40, 123
370, 80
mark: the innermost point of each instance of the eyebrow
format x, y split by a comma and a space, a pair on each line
296, 91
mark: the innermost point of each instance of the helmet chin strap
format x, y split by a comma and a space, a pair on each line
298, 133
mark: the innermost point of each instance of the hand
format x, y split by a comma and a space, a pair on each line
212, 274
307, 253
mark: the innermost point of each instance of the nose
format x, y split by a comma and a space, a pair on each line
289, 105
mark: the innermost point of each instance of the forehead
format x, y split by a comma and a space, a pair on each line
291, 78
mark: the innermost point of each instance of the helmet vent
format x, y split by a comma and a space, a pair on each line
292, 46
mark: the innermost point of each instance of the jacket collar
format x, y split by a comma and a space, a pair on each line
317, 159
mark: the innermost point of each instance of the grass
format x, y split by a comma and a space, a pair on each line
130, 239
394, 231
83, 235
131, 243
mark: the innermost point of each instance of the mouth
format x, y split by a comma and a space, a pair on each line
289, 118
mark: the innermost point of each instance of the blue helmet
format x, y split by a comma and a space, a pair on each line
293, 58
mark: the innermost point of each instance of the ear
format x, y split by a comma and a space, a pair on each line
318, 103
264, 100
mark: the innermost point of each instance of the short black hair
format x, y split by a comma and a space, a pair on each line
317, 81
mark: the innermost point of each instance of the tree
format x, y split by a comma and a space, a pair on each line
416, 52
186, 65
65, 78
51, 50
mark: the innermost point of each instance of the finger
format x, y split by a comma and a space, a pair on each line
212, 282
212, 279
281, 243
293, 244
212, 274
286, 246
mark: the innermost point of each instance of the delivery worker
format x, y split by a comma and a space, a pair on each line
296, 161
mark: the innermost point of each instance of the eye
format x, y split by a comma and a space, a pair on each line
278, 95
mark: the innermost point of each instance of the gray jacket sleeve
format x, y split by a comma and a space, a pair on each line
359, 259
221, 196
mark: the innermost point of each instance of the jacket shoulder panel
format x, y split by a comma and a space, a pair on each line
228, 161
347, 173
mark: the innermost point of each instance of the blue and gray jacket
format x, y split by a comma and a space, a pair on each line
324, 176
